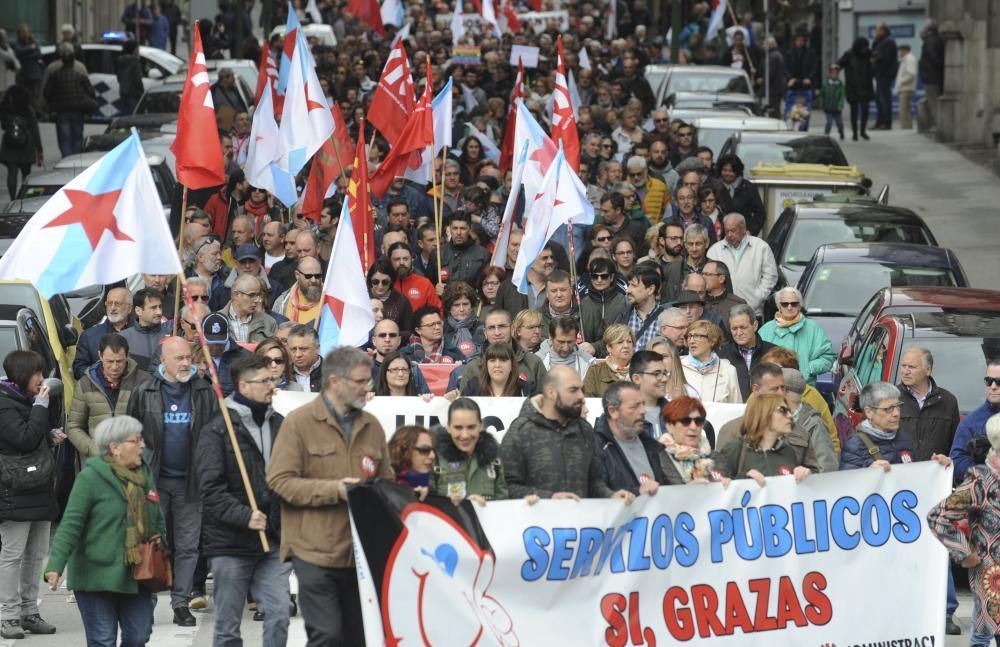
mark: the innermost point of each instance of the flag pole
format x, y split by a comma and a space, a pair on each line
439, 211
251, 499
180, 254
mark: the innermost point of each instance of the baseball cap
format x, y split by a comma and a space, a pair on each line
245, 251
216, 328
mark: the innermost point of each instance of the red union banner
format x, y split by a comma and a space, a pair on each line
828, 561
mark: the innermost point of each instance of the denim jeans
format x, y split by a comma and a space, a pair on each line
24, 546
103, 612
831, 118
266, 577
69, 132
331, 605
183, 519
951, 606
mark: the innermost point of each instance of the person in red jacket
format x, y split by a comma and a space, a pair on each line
417, 289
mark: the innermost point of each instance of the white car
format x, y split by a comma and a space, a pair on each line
101, 60
714, 131
322, 33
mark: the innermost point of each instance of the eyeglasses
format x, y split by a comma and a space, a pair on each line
266, 380
785, 410
137, 440
601, 276
380, 282
606, 146
277, 361
789, 304
387, 335
498, 327
192, 324
991, 381
687, 420
309, 277
687, 134
696, 335
424, 450
253, 295
892, 407
397, 369
659, 375
433, 324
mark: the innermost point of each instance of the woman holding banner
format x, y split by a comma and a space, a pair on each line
468, 460
687, 445
411, 453
498, 374
761, 451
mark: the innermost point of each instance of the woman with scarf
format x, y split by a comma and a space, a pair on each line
498, 374
27, 504
411, 453
761, 450
468, 459
710, 375
619, 340
792, 330
257, 207
112, 509
462, 328
280, 363
688, 449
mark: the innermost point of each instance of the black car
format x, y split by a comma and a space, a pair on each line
803, 227
783, 147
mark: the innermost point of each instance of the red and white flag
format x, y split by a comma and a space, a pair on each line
359, 203
196, 146
268, 76
507, 148
563, 119
393, 102
407, 153
368, 11
346, 317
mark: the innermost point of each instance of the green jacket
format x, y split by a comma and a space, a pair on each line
807, 340
831, 95
91, 536
91, 405
737, 458
464, 474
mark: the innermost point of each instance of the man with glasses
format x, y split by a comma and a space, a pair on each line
431, 347
497, 326
648, 371
301, 302
652, 193
208, 266
230, 527
754, 271
248, 263
117, 317
685, 144
661, 124
247, 320
673, 324
719, 297
974, 424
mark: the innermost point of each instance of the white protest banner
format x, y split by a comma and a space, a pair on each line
498, 413
839, 559
538, 21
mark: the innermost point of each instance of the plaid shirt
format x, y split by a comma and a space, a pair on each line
636, 323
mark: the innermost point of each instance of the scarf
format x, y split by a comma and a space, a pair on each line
787, 323
620, 373
413, 479
692, 462
16, 389
298, 310
137, 521
557, 360
463, 329
700, 366
870, 429
258, 410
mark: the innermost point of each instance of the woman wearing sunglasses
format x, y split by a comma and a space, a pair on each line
279, 363
762, 450
603, 302
687, 445
792, 330
395, 305
411, 453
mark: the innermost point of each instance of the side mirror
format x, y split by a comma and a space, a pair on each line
68, 336
846, 356
155, 74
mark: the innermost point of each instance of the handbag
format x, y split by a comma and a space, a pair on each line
27, 471
153, 571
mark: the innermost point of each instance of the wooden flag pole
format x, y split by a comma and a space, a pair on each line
180, 254
439, 211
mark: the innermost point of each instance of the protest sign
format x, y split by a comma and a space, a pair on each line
466, 55
844, 558
527, 55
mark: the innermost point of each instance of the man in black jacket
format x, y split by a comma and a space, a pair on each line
885, 61
231, 528
746, 349
930, 414
630, 459
931, 69
172, 407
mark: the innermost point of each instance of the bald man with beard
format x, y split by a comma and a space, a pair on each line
301, 302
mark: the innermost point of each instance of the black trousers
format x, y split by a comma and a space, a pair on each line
859, 110
330, 604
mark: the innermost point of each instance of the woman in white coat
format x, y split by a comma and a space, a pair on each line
713, 377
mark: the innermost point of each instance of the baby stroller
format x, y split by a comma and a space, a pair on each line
797, 116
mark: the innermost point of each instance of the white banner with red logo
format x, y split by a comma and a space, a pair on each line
498, 413
839, 559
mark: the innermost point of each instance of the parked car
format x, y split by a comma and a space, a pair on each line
101, 60
708, 79
14, 216
728, 101
166, 97
162, 169
157, 122
841, 277
803, 227
322, 34
783, 146
960, 342
714, 131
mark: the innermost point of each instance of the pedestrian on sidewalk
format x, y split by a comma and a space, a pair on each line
906, 85
885, 62
71, 97
112, 509
21, 143
857, 66
831, 97
932, 73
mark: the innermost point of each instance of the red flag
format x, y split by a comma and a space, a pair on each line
507, 149
342, 145
196, 146
368, 11
328, 164
359, 202
513, 22
393, 102
408, 150
563, 121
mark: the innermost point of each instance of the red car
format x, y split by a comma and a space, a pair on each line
960, 327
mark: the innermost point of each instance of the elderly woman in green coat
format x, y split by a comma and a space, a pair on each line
790, 329
112, 509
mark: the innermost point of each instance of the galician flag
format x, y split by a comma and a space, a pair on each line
98, 229
346, 316
715, 21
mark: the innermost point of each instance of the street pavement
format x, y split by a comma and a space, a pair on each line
956, 197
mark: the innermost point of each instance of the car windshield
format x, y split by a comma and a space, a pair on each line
798, 150
37, 190
714, 83
153, 102
842, 288
807, 235
714, 138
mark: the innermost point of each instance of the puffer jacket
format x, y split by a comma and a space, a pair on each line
617, 471
225, 506
23, 426
542, 456
458, 473
656, 200
811, 345
92, 404
598, 310
855, 454
932, 428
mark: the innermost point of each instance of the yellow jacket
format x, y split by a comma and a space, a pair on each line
656, 200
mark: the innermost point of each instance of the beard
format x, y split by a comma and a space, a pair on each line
630, 432
402, 272
183, 377
116, 318
312, 292
675, 251
212, 266
568, 411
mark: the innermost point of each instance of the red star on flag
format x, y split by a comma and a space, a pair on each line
96, 213
336, 308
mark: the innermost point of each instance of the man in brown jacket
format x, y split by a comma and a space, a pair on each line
321, 449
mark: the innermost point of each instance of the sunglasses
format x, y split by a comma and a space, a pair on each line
314, 277
685, 134
387, 335
200, 297
603, 239
423, 450
687, 420
991, 381
380, 282
277, 361
601, 276
789, 304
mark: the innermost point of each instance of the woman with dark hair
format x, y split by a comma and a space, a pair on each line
599, 236
395, 305
468, 161
226, 202
395, 377
257, 207
740, 194
482, 211
461, 326
411, 454
708, 206
498, 374
857, 66
21, 145
623, 253
279, 362
27, 491
468, 460
487, 289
